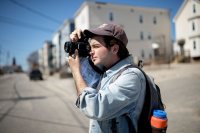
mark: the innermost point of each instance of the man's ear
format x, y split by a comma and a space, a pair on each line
115, 49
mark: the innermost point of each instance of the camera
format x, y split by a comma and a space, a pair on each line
82, 46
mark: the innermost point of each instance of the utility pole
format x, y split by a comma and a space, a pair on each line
59, 43
14, 62
8, 58
0, 55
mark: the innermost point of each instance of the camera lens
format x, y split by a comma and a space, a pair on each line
67, 47
82, 47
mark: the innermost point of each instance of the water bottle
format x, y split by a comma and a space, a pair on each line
159, 121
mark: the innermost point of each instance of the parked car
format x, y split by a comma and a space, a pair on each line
35, 74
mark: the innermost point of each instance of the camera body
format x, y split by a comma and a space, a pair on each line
83, 47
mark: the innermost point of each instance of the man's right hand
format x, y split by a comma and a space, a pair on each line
76, 35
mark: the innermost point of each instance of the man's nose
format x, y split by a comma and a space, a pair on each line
91, 52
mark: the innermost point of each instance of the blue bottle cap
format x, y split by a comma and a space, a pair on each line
160, 114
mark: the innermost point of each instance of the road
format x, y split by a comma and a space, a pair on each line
49, 106
180, 88
39, 107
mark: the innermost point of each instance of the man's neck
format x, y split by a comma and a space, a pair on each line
114, 63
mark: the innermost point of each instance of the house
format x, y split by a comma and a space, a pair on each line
187, 25
47, 58
33, 59
52, 56
59, 39
148, 29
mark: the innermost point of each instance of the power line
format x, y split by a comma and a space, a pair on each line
12, 21
36, 12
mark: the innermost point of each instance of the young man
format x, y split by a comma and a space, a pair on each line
116, 101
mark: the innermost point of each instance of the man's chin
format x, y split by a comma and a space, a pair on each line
96, 63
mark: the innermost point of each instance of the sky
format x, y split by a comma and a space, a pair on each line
26, 24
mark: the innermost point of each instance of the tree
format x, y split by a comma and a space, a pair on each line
181, 43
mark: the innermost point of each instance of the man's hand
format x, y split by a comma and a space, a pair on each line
74, 62
75, 35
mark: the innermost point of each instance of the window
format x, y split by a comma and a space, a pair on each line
194, 45
72, 27
111, 16
194, 8
149, 37
154, 20
132, 10
98, 7
150, 56
141, 19
142, 53
156, 52
141, 36
193, 26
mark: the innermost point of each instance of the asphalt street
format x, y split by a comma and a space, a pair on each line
49, 106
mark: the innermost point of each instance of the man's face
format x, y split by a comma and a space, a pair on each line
100, 55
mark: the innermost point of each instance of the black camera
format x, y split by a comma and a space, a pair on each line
82, 46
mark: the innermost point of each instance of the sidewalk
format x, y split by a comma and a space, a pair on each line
166, 72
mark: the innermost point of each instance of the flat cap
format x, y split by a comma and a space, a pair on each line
111, 30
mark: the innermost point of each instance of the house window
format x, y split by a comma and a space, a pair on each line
141, 19
150, 56
98, 7
194, 8
142, 53
132, 10
194, 45
154, 20
111, 16
156, 52
141, 36
72, 27
149, 37
193, 26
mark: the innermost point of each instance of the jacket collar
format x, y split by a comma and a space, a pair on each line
119, 65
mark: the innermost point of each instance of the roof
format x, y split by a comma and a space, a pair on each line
85, 3
180, 10
182, 7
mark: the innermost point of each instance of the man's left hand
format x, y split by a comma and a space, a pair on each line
74, 62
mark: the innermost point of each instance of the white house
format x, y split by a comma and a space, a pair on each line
66, 29
56, 42
59, 39
46, 58
148, 29
187, 23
